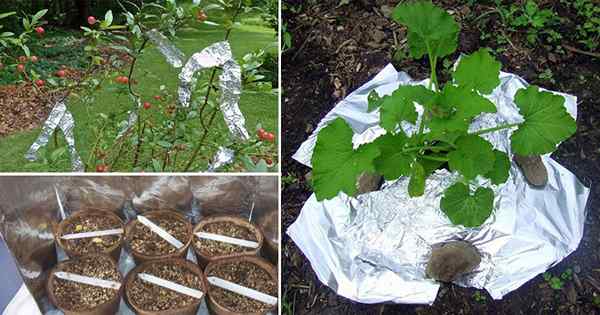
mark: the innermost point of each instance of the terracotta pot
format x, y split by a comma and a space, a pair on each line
218, 309
113, 251
108, 308
154, 216
191, 309
204, 258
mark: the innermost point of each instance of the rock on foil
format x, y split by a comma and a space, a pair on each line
218, 54
172, 54
375, 247
59, 117
224, 156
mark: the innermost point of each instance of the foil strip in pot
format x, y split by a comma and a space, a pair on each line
215, 55
375, 247
59, 117
173, 55
224, 156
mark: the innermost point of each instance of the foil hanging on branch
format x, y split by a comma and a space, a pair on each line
60, 117
230, 82
173, 55
224, 156
131, 119
375, 247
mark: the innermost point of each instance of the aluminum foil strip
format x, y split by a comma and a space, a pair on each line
172, 54
224, 156
217, 55
375, 247
59, 117
131, 120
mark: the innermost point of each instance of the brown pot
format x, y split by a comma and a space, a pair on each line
218, 309
108, 308
191, 309
153, 216
204, 259
113, 251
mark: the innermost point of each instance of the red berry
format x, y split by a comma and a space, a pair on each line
269, 137
269, 161
91, 20
157, 97
40, 30
122, 79
147, 105
101, 168
39, 82
60, 73
22, 59
34, 59
260, 133
20, 67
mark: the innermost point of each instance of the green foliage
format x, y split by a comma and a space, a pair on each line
442, 136
258, 70
538, 23
335, 158
557, 283
588, 18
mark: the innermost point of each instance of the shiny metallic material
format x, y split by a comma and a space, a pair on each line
230, 82
172, 54
59, 117
375, 247
223, 157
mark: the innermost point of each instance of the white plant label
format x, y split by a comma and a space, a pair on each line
171, 285
227, 239
60, 206
158, 230
91, 234
108, 284
241, 290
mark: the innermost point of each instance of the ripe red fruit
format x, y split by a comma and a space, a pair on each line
34, 59
40, 30
22, 59
260, 133
147, 105
61, 73
122, 79
157, 97
91, 20
269, 161
39, 82
269, 137
201, 16
20, 67
101, 168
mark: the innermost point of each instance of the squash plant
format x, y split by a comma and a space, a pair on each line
442, 138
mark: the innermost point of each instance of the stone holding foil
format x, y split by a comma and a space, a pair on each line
376, 247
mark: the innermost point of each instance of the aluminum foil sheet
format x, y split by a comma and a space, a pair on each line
224, 156
374, 248
230, 82
59, 117
173, 55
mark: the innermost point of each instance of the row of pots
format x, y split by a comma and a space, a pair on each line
150, 252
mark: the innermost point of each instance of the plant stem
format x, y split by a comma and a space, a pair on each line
139, 145
488, 130
197, 149
93, 152
435, 158
427, 147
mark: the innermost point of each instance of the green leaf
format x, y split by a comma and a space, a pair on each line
429, 165
108, 18
430, 29
374, 100
465, 209
478, 71
7, 14
156, 165
336, 165
400, 105
547, 122
464, 105
416, 185
38, 16
473, 156
164, 144
499, 172
393, 163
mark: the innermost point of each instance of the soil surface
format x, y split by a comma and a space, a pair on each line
146, 242
76, 296
92, 223
215, 248
246, 274
152, 297
337, 48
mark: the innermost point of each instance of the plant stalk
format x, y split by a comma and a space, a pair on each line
488, 130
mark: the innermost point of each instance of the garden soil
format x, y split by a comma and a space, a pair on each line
337, 48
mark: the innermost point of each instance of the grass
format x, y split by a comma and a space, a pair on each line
152, 72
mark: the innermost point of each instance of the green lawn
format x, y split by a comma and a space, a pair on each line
152, 72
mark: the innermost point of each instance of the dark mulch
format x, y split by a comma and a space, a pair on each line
337, 49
